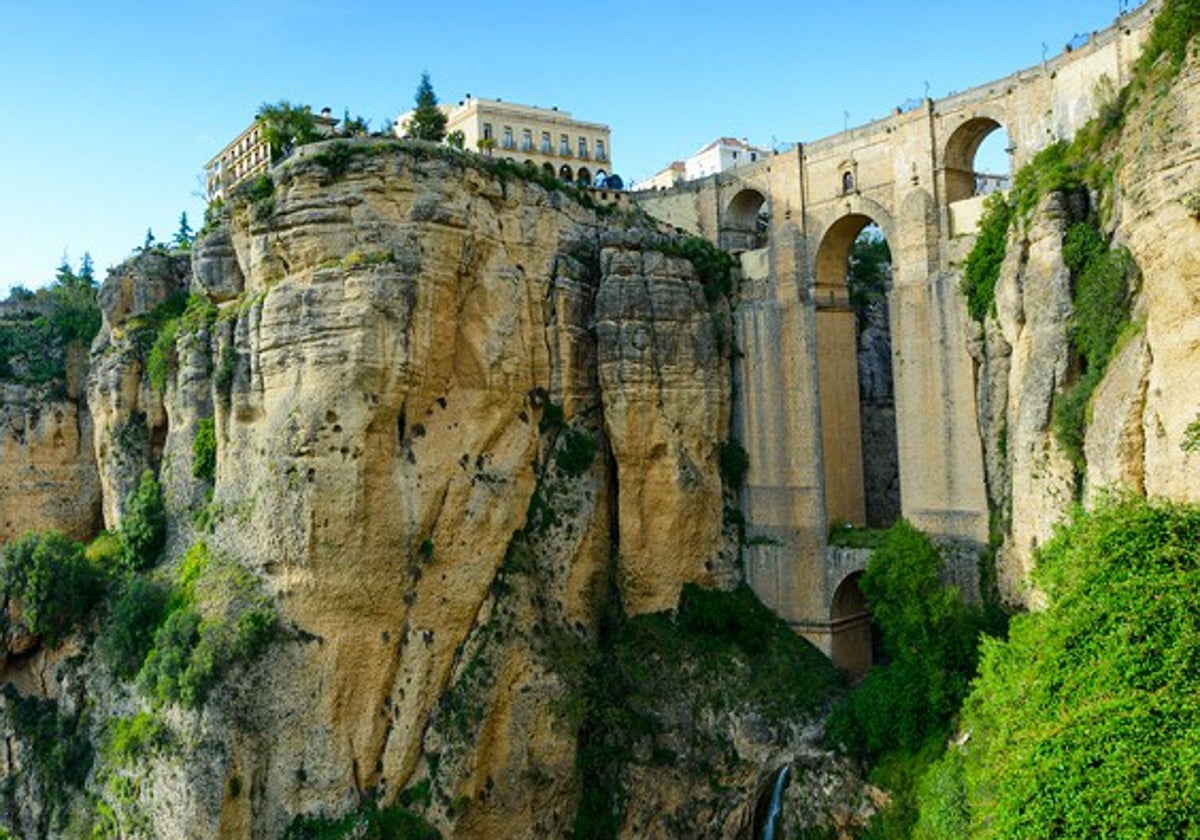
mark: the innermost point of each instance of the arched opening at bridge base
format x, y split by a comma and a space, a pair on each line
978, 161
854, 375
853, 635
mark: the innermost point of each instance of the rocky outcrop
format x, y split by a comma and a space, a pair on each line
48, 477
1138, 414
459, 419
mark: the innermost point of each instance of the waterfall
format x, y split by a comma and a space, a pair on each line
772, 822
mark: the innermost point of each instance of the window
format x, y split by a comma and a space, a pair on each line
508, 137
526, 140
564, 146
847, 182
735, 155
583, 147
546, 142
599, 150
753, 156
487, 131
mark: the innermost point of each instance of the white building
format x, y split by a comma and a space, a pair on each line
720, 155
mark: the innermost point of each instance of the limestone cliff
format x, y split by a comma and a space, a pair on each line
1139, 411
459, 418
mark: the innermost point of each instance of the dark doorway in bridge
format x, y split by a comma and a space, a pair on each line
745, 222
854, 637
870, 279
978, 159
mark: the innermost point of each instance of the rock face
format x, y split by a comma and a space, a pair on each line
1139, 412
47, 475
457, 416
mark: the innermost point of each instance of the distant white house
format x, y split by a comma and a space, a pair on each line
720, 155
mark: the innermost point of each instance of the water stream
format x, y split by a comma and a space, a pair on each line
772, 822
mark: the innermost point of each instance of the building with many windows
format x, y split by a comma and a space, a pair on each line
246, 157
553, 140
720, 155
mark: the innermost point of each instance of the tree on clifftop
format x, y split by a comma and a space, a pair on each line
427, 122
286, 126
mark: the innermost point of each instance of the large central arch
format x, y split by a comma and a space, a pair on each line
838, 384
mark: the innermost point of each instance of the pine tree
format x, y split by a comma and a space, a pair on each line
185, 236
428, 122
149, 243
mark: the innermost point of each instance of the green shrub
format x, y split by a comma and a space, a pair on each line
733, 462
1175, 26
576, 453
1085, 722
983, 264
134, 738
104, 552
160, 361
1101, 297
216, 615
930, 636
368, 822
143, 527
335, 158
1191, 436
226, 368
52, 580
713, 267
204, 450
128, 634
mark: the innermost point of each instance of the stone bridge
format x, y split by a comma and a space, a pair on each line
793, 218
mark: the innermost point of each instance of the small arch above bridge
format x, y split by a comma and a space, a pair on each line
962, 149
744, 223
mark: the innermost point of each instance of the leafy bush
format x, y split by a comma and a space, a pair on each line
204, 450
143, 527
1085, 722
177, 316
982, 269
1175, 26
33, 344
133, 738
713, 267
733, 462
1191, 436
930, 635
368, 822
55, 585
128, 633
577, 452
1100, 305
216, 615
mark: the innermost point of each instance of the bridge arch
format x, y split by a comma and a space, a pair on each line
855, 383
853, 637
744, 225
963, 178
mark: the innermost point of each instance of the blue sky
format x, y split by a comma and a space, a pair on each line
110, 110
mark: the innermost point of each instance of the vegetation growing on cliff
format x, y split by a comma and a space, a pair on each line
39, 327
718, 651
1102, 283
52, 583
55, 751
367, 822
216, 615
1085, 722
900, 715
